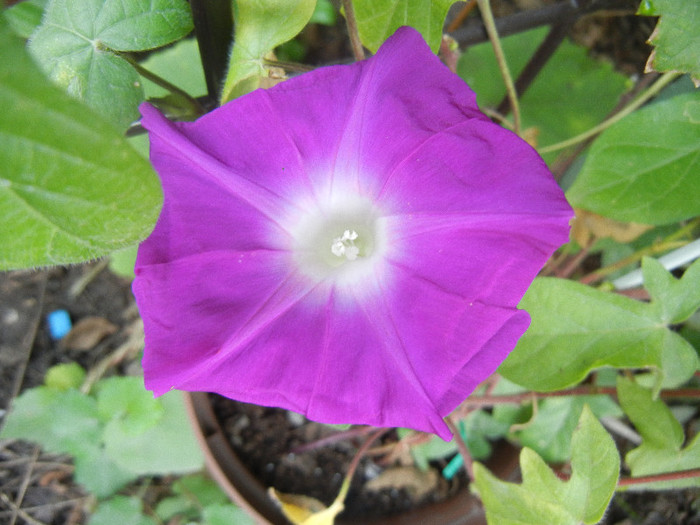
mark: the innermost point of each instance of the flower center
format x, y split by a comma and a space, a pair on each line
344, 246
341, 241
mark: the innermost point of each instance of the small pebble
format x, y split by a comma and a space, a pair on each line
59, 324
295, 419
11, 316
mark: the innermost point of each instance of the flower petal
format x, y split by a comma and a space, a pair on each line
354, 124
206, 207
464, 214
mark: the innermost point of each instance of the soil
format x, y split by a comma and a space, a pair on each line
36, 487
268, 442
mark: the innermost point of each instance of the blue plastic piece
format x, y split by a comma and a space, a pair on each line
453, 467
59, 324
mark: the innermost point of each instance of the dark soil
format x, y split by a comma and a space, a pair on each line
267, 441
36, 487
681, 507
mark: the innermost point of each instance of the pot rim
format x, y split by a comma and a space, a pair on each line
247, 492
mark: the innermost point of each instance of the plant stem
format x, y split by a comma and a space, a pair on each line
333, 438
666, 476
463, 449
345, 487
514, 399
357, 50
564, 162
490, 23
473, 32
291, 66
637, 256
539, 59
131, 346
213, 25
461, 16
194, 106
653, 90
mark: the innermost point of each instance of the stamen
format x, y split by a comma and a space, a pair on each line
345, 245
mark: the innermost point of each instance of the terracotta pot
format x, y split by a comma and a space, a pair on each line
247, 492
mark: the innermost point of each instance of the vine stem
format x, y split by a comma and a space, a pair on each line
461, 16
462, 447
345, 487
333, 438
666, 476
357, 50
291, 66
213, 25
194, 105
133, 344
489, 401
669, 243
653, 90
490, 24
597, 275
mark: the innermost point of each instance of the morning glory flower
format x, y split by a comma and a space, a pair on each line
350, 244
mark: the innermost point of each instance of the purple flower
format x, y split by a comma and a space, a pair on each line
350, 244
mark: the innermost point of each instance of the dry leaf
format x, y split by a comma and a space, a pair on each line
87, 332
588, 225
416, 482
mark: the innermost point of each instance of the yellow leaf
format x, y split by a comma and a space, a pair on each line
303, 510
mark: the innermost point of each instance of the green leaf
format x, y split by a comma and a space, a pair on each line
65, 376
125, 400
480, 428
67, 186
193, 493
434, 448
576, 329
324, 13
201, 489
543, 497
168, 447
77, 41
225, 515
122, 262
549, 433
260, 27
25, 16
378, 19
60, 421
96, 471
676, 37
573, 92
678, 299
66, 422
653, 419
661, 450
644, 168
120, 510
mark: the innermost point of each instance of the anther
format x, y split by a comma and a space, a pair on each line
344, 246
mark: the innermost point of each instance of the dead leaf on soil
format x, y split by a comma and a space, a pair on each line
87, 332
416, 482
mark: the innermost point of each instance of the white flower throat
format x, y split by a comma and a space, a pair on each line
341, 241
